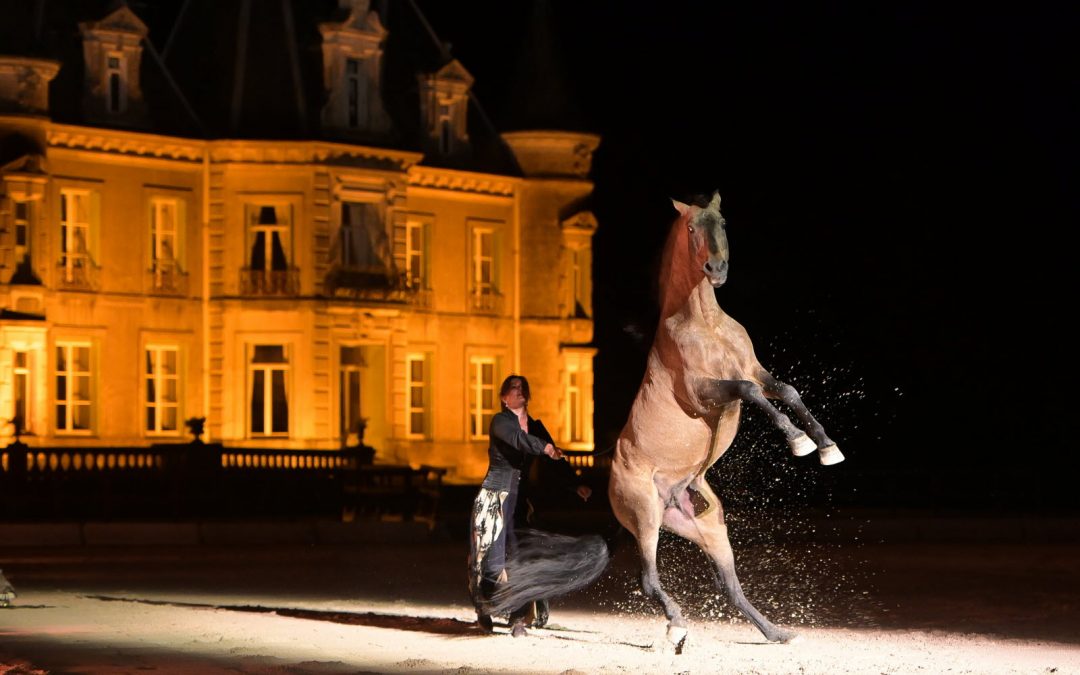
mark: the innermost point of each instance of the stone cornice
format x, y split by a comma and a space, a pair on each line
311, 152
138, 144
462, 181
124, 143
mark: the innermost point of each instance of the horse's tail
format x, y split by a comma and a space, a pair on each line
547, 565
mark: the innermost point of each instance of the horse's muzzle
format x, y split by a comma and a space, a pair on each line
716, 272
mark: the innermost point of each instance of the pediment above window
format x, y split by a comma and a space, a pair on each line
122, 20
582, 221
28, 165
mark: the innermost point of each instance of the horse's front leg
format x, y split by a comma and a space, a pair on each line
723, 391
828, 453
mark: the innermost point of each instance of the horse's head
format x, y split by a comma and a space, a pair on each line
707, 238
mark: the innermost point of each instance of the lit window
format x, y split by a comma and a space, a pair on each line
162, 389
75, 221
269, 237
410, 252
362, 242
23, 399
483, 399
417, 398
164, 246
74, 402
574, 406
350, 375
269, 370
483, 261
22, 231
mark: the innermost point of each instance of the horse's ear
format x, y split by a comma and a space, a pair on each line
680, 207
715, 203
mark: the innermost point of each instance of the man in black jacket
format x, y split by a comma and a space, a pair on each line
492, 523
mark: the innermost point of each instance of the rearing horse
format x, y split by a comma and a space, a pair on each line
700, 370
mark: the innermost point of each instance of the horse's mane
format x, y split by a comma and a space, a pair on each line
678, 274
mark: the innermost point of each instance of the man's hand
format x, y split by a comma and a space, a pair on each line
552, 452
584, 491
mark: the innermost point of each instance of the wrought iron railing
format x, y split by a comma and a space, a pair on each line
376, 286
77, 271
269, 282
487, 302
167, 279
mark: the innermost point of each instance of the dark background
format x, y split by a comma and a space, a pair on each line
898, 184
897, 179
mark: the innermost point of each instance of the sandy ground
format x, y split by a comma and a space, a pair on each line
929, 608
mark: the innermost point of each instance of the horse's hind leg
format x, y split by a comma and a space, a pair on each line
636, 503
707, 530
828, 453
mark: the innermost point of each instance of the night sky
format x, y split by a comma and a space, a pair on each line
898, 181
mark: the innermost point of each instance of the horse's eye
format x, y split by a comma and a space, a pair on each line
690, 228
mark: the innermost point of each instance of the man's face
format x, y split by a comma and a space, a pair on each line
513, 398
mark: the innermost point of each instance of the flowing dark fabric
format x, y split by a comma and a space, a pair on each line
547, 565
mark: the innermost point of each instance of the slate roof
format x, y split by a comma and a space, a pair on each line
199, 39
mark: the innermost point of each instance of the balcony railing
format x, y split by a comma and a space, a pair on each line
77, 272
269, 282
167, 279
487, 302
375, 286
209, 481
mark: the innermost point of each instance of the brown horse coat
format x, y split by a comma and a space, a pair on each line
700, 369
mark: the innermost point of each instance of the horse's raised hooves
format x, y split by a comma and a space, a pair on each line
830, 455
801, 445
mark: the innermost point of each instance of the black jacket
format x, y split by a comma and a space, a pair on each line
539, 477
508, 450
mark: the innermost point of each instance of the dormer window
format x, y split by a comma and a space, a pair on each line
114, 73
352, 69
112, 52
444, 101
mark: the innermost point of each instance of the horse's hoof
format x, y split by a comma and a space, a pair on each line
830, 455
785, 637
801, 445
676, 635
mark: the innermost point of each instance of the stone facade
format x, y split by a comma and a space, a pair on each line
293, 293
